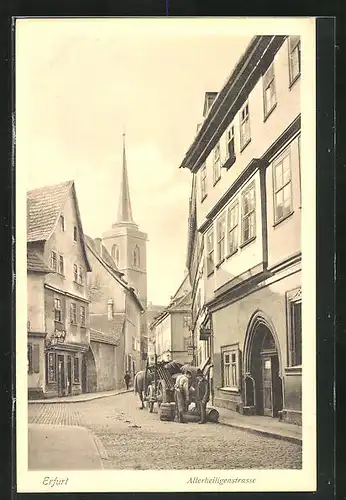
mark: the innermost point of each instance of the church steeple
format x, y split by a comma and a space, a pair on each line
124, 210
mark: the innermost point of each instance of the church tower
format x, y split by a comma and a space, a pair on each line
126, 243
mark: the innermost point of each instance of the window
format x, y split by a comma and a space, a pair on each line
76, 377
57, 310
62, 223
187, 321
33, 358
82, 315
233, 215
269, 96
217, 164
54, 261
294, 58
294, 311
73, 314
245, 135
230, 143
248, 214
74, 233
61, 264
282, 187
210, 252
80, 275
51, 367
220, 231
75, 273
231, 367
136, 262
187, 343
115, 254
203, 182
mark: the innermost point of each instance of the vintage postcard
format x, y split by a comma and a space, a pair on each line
165, 234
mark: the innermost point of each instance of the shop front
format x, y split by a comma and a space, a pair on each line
63, 366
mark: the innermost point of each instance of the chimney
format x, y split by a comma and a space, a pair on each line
110, 309
98, 245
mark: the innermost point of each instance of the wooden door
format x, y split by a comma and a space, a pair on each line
267, 380
277, 387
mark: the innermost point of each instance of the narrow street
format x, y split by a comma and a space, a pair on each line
136, 439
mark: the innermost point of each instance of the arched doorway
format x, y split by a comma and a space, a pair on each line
89, 374
262, 361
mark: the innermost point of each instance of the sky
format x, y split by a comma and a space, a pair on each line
81, 83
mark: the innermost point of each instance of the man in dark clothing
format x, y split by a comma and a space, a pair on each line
202, 396
127, 379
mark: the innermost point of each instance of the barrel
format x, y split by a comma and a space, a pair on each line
212, 415
167, 411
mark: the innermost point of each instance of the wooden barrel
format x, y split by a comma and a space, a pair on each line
167, 411
212, 415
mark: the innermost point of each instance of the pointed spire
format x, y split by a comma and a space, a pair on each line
124, 210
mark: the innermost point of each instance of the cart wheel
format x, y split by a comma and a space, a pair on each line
151, 407
162, 391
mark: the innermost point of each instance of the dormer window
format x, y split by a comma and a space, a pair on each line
294, 58
230, 146
62, 223
74, 233
245, 135
217, 164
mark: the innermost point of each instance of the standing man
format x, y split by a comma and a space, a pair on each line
202, 396
127, 379
182, 394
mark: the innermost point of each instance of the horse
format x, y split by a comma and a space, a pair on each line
139, 386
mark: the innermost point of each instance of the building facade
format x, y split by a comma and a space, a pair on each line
127, 246
170, 336
58, 304
244, 248
114, 312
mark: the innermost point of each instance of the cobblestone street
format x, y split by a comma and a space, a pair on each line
136, 439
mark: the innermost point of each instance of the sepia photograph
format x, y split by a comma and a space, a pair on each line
165, 186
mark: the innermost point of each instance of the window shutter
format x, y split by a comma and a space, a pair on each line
239, 370
29, 358
36, 358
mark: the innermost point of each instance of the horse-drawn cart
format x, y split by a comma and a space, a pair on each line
159, 382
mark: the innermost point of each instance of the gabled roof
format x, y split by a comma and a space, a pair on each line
183, 288
44, 206
90, 243
101, 323
106, 257
103, 338
179, 302
35, 261
240, 82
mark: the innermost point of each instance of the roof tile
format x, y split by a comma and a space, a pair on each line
35, 261
44, 206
